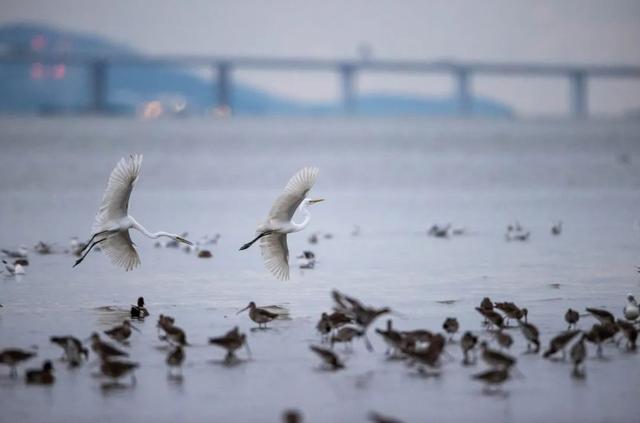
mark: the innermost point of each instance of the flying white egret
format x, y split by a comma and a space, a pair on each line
273, 232
112, 222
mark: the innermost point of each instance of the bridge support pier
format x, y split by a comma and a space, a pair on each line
98, 86
578, 82
223, 86
463, 92
347, 74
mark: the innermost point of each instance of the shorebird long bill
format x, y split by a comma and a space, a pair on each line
243, 309
316, 201
185, 241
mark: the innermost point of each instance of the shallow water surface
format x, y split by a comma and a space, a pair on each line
394, 178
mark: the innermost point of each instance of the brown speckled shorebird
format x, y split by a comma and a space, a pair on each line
122, 332
346, 334
468, 343
492, 377
630, 332
117, 369
491, 317
603, 316
104, 350
511, 311
259, 315
231, 341
572, 317
599, 333
451, 326
429, 357
560, 342
172, 334
42, 376
578, 354
496, 358
73, 349
338, 319
329, 357
14, 356
531, 334
363, 315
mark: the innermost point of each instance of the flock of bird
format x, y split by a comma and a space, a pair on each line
349, 320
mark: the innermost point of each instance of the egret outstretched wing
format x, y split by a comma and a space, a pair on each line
119, 248
296, 190
115, 202
275, 253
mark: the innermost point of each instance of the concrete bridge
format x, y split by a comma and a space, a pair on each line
462, 73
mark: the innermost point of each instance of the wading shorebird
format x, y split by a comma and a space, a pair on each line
601, 332
112, 222
491, 318
329, 357
346, 334
122, 332
14, 356
173, 334
603, 316
42, 376
560, 342
571, 317
492, 377
451, 326
117, 369
495, 358
259, 315
630, 332
175, 358
468, 343
72, 347
139, 311
279, 223
511, 311
231, 341
531, 334
362, 315
429, 357
578, 354
104, 350
631, 310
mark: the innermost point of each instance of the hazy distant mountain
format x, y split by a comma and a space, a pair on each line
56, 88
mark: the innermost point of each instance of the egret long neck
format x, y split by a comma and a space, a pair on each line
307, 217
152, 235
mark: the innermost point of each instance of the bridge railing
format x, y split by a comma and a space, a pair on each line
463, 73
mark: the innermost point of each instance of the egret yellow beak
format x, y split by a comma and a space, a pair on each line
186, 241
316, 201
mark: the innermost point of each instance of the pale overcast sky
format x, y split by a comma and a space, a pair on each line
576, 31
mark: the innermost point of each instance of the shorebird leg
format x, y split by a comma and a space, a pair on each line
92, 238
250, 243
87, 252
14, 372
